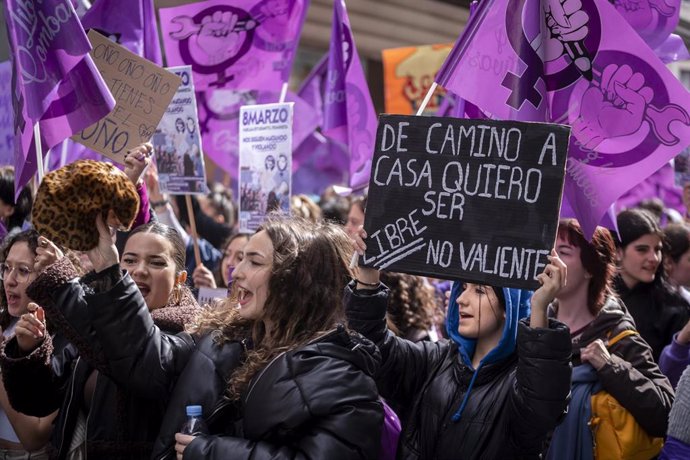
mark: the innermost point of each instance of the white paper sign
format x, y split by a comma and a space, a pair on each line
265, 162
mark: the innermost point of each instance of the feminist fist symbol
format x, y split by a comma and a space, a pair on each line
617, 106
567, 24
220, 35
614, 106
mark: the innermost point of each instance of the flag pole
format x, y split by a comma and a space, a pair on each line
192, 224
283, 92
427, 98
63, 153
39, 152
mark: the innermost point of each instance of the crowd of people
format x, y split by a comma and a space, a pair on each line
308, 356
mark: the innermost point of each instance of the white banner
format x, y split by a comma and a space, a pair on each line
177, 142
265, 162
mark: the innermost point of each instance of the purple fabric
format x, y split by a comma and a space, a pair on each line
6, 115
322, 162
672, 50
654, 20
54, 80
578, 64
131, 23
311, 89
241, 52
660, 185
674, 359
349, 115
240, 45
144, 214
675, 449
390, 433
219, 122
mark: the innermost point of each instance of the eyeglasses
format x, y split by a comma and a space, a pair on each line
21, 273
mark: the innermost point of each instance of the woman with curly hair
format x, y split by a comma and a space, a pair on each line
289, 380
412, 308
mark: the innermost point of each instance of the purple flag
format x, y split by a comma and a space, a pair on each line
349, 115
654, 20
312, 88
238, 44
672, 50
130, 23
54, 80
578, 64
6, 115
324, 162
219, 122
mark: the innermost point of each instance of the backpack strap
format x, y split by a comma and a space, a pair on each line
612, 341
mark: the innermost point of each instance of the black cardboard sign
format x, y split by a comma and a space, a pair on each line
472, 200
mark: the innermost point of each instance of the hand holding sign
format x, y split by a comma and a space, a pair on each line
142, 92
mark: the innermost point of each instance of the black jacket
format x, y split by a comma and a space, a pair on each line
632, 377
512, 406
658, 312
127, 405
315, 402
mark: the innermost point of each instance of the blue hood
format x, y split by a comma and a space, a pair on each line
517, 307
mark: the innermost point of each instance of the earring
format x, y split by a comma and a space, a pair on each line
177, 294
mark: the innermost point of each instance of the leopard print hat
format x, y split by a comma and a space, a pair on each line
69, 199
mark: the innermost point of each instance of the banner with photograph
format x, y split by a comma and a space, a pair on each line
265, 162
177, 141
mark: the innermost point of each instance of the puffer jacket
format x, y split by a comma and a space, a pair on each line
314, 402
127, 405
513, 403
632, 376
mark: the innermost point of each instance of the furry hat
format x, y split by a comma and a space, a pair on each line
69, 199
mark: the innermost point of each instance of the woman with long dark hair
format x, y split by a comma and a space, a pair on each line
658, 310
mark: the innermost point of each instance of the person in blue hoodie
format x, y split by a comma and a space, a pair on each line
494, 390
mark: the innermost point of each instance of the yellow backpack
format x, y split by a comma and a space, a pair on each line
616, 433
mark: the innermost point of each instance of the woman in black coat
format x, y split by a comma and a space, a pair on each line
494, 390
658, 310
106, 411
304, 388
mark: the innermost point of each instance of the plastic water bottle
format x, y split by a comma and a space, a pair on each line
195, 424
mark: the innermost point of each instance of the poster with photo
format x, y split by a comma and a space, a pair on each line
177, 142
265, 162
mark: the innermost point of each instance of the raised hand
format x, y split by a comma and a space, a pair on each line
105, 254
47, 253
203, 277
615, 106
552, 280
137, 160
363, 274
31, 328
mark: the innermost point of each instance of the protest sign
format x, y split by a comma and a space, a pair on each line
408, 73
177, 142
473, 200
6, 114
208, 295
142, 92
265, 162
